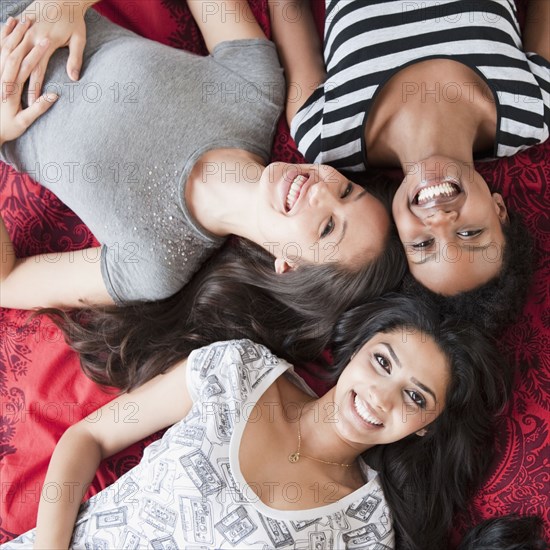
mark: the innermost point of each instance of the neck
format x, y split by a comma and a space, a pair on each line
414, 118
419, 134
221, 191
319, 438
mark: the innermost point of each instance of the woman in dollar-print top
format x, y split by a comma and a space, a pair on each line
255, 459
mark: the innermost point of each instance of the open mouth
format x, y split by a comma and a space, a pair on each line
444, 191
362, 410
294, 192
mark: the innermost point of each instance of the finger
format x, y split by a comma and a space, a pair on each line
12, 42
13, 63
6, 29
37, 54
17, 33
11, 94
76, 52
34, 66
27, 116
36, 79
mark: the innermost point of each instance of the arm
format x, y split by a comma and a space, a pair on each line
300, 51
67, 28
159, 403
536, 36
221, 20
63, 279
67, 279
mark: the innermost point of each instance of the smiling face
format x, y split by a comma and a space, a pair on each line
313, 214
450, 225
394, 386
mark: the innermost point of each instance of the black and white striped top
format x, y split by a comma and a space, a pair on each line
369, 41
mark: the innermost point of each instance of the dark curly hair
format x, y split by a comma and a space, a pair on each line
498, 302
506, 533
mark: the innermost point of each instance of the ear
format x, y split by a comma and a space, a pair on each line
422, 432
500, 207
282, 266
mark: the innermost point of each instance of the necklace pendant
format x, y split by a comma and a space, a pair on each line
293, 457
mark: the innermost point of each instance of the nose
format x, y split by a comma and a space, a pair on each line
380, 399
319, 194
440, 217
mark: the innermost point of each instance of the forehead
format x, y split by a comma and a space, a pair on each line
407, 339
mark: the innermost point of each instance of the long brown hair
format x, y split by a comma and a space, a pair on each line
234, 295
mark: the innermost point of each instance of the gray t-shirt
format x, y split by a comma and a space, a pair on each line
118, 146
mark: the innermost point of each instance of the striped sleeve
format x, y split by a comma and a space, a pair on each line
540, 68
306, 126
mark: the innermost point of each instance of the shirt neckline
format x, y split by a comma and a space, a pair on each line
190, 163
371, 476
396, 70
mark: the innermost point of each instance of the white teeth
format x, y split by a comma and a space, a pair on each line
294, 191
363, 412
429, 193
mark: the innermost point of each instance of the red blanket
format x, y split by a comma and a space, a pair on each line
43, 391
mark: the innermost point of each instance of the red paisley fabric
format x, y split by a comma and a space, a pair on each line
42, 390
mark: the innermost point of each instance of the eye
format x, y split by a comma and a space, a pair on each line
470, 233
328, 228
383, 362
417, 398
423, 244
348, 190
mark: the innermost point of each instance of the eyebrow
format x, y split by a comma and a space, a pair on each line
413, 380
392, 353
345, 224
423, 387
430, 257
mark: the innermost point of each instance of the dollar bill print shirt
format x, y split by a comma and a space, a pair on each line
188, 491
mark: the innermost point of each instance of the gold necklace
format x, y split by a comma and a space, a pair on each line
294, 457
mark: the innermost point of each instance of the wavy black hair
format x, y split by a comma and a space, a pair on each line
506, 533
427, 479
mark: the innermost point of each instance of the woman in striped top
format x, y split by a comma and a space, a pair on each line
429, 87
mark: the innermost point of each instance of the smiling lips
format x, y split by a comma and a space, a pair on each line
294, 191
362, 410
440, 192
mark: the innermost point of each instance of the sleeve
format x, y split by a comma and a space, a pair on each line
196, 357
256, 61
205, 367
540, 68
232, 368
13, 9
131, 278
306, 127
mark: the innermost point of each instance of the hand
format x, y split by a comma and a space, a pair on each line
66, 28
15, 67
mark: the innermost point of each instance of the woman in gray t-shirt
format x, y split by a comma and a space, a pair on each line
163, 153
